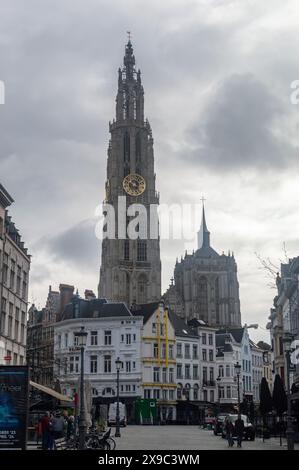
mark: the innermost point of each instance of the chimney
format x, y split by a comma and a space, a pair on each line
66, 295
89, 294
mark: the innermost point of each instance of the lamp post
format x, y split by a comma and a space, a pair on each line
218, 388
287, 341
117, 430
238, 372
82, 337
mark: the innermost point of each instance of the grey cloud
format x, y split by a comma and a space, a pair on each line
237, 128
76, 246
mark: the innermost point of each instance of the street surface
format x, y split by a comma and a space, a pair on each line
185, 438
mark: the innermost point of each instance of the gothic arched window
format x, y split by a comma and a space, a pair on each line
126, 249
126, 153
125, 105
202, 297
141, 250
138, 152
217, 300
127, 287
134, 105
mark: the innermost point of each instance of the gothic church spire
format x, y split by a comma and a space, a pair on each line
203, 234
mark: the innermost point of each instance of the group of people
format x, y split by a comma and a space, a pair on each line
237, 428
53, 426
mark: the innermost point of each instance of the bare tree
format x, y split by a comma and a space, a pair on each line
272, 269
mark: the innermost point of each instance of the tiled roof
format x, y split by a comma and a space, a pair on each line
237, 333
181, 327
145, 310
96, 308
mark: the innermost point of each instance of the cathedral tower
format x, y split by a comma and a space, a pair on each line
206, 285
130, 268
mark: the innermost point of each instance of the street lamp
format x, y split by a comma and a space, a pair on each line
218, 388
287, 342
238, 372
81, 342
118, 365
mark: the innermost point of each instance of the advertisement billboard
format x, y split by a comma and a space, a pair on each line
14, 390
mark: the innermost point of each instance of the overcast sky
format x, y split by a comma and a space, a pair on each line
217, 78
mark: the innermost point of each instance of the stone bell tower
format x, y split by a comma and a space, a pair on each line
130, 268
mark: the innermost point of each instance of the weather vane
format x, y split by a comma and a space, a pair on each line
129, 35
203, 199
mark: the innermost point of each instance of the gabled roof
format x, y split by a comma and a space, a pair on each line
237, 333
206, 252
181, 328
264, 346
96, 308
5, 197
145, 310
222, 345
255, 346
220, 339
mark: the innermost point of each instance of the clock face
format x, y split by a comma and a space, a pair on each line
134, 184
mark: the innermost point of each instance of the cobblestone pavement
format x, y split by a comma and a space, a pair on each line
181, 438
185, 438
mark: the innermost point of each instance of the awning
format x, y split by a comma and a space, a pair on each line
51, 392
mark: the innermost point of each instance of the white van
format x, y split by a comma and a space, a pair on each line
112, 414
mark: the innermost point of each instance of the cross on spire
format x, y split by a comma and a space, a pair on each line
203, 200
129, 36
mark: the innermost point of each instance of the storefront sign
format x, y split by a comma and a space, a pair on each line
14, 391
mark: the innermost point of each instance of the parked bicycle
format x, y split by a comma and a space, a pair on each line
93, 440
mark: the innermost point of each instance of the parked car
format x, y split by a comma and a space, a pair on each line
112, 414
218, 423
249, 429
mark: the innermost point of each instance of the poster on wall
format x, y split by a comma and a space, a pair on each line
14, 390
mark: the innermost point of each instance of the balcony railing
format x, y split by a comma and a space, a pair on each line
208, 383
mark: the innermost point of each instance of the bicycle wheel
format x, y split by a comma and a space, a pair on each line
111, 443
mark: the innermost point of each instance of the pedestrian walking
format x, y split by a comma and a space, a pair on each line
239, 428
229, 428
45, 430
58, 425
38, 431
70, 426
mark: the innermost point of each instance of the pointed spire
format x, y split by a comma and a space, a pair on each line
130, 94
129, 61
203, 234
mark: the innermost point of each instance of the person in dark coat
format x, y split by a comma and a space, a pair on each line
239, 429
45, 430
229, 428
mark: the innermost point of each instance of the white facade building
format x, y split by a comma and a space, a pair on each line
188, 370
228, 354
113, 332
257, 370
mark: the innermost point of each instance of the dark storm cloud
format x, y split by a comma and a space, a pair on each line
77, 246
238, 128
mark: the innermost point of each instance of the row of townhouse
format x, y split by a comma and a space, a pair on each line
14, 278
187, 368
284, 328
235, 346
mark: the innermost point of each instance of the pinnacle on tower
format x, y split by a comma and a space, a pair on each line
203, 234
129, 99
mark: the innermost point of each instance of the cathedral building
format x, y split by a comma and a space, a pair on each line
205, 285
130, 268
